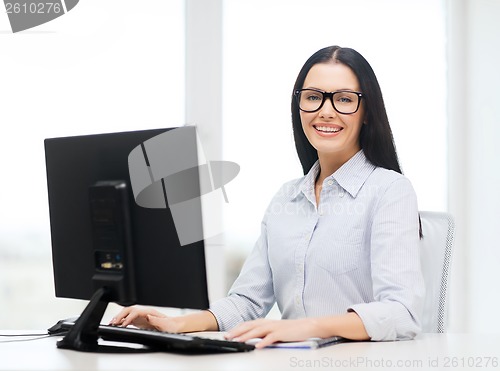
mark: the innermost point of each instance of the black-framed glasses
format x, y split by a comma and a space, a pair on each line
343, 101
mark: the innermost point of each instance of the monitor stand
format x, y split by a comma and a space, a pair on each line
83, 335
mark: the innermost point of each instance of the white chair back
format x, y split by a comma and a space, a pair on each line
436, 250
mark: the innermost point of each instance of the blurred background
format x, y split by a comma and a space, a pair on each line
119, 65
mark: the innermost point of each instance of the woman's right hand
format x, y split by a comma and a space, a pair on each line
145, 318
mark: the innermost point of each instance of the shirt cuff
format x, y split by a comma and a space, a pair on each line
385, 321
224, 312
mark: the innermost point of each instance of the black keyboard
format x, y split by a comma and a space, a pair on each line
163, 341
167, 341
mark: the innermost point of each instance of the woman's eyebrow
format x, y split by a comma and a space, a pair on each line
341, 89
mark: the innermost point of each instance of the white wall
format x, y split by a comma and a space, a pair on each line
474, 185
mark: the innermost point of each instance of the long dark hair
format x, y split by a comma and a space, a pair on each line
375, 137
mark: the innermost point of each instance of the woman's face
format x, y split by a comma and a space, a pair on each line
330, 132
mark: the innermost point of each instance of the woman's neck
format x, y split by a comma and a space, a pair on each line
330, 163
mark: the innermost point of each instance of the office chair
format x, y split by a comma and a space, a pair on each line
436, 250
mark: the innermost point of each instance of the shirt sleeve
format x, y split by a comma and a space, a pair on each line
252, 294
398, 286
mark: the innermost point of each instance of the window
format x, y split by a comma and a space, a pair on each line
105, 66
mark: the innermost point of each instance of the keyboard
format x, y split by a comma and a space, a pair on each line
163, 341
167, 341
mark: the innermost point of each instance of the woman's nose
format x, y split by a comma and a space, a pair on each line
327, 110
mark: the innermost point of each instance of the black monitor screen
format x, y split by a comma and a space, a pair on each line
163, 273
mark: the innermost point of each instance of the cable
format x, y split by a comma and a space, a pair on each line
33, 337
14, 335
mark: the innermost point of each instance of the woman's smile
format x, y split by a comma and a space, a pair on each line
328, 130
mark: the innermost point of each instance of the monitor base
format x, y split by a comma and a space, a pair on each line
83, 336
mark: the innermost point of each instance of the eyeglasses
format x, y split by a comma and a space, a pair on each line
343, 101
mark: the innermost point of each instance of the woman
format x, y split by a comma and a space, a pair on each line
338, 250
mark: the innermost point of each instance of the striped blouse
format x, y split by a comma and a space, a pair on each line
355, 251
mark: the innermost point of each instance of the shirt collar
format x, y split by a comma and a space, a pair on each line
350, 176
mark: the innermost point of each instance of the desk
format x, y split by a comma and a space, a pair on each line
426, 352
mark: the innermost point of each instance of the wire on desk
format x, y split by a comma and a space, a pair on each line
23, 336
14, 335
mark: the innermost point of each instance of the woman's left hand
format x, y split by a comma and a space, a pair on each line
271, 331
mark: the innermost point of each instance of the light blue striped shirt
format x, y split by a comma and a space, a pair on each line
355, 251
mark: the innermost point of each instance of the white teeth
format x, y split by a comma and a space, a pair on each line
328, 129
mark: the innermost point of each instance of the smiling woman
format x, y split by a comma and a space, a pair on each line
331, 271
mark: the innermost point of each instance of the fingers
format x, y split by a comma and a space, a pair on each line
125, 318
251, 330
245, 327
130, 318
270, 331
268, 340
120, 317
237, 331
136, 316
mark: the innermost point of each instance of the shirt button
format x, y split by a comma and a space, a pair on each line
330, 182
297, 299
341, 194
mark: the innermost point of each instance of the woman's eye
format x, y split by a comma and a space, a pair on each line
344, 100
313, 97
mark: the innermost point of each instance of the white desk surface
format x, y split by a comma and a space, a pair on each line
426, 352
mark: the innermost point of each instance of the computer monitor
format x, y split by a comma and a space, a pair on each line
107, 248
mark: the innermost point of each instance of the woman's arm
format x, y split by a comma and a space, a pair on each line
152, 319
397, 282
347, 325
